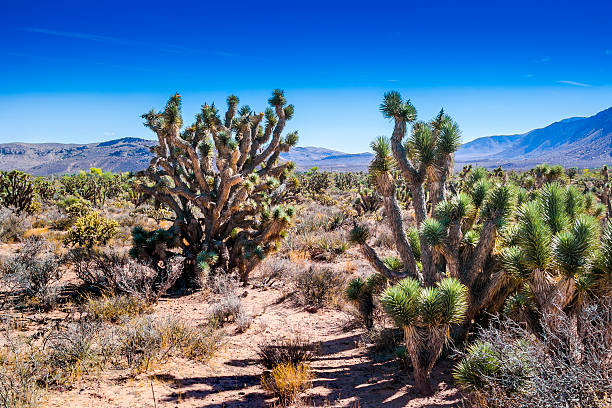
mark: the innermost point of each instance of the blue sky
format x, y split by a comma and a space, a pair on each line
84, 71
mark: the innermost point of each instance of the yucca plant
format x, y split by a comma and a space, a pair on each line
556, 250
361, 293
426, 315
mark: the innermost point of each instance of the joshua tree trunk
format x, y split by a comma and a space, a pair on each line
424, 345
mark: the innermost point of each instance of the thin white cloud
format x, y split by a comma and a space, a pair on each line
574, 83
83, 36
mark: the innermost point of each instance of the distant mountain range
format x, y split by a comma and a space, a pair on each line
580, 142
132, 154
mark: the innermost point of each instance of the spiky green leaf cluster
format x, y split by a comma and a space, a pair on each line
409, 304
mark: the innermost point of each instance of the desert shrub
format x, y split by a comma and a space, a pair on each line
33, 273
18, 386
287, 381
243, 321
221, 284
113, 308
70, 352
226, 310
144, 342
118, 273
199, 344
272, 269
285, 351
91, 230
508, 366
317, 287
158, 214
13, 226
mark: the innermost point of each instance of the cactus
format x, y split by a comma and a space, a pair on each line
368, 201
17, 191
221, 176
96, 186
45, 188
316, 182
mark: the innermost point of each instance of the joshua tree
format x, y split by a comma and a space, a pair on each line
456, 233
220, 177
425, 315
17, 191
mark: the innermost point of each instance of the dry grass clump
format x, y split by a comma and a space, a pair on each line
287, 381
145, 342
318, 231
294, 351
26, 369
80, 349
289, 370
226, 309
18, 386
316, 287
69, 353
113, 308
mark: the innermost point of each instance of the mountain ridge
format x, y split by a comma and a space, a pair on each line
574, 141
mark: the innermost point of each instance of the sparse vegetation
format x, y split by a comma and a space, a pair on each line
106, 277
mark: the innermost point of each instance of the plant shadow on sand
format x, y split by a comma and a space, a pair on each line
342, 378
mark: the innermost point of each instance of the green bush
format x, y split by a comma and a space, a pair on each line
91, 230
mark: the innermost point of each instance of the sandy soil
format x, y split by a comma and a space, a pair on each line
346, 375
